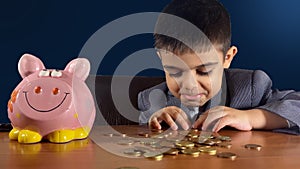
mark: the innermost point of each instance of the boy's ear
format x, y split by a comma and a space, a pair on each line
232, 51
158, 54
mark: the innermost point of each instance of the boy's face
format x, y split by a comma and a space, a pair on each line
194, 78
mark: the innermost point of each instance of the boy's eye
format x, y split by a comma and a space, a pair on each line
203, 73
178, 74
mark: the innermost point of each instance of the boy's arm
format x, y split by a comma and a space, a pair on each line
267, 108
240, 119
275, 106
263, 119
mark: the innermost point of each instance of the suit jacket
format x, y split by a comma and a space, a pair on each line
241, 89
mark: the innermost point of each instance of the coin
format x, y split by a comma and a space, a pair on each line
156, 146
109, 134
229, 155
209, 142
193, 152
143, 134
224, 138
184, 143
132, 152
208, 150
157, 130
127, 168
224, 145
125, 142
153, 155
253, 147
172, 151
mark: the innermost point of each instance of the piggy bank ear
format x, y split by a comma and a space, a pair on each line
80, 67
29, 64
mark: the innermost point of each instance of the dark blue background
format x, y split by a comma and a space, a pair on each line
265, 31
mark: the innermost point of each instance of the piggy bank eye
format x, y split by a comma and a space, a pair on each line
37, 89
56, 73
55, 91
44, 73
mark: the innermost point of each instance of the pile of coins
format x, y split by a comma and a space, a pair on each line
158, 143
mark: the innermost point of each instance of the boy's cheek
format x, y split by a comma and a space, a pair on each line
173, 86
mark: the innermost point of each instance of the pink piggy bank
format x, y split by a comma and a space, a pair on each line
51, 104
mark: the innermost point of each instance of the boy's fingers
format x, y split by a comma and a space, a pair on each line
183, 123
212, 119
199, 121
181, 118
183, 114
154, 123
169, 120
224, 121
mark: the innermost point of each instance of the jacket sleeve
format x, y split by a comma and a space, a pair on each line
150, 101
283, 103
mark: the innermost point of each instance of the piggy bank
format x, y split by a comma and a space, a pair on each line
50, 104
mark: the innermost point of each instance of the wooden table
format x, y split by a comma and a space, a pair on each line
279, 151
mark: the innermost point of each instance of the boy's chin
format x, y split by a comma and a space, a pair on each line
191, 103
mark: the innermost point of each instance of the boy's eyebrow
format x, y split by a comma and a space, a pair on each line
196, 67
205, 65
170, 67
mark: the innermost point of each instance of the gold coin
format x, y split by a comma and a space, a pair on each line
153, 155
253, 147
224, 138
109, 134
192, 152
125, 142
224, 145
157, 136
229, 155
157, 130
132, 152
143, 134
216, 140
194, 130
148, 141
208, 150
209, 142
156, 146
192, 135
172, 151
184, 143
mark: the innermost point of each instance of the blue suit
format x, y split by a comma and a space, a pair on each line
241, 89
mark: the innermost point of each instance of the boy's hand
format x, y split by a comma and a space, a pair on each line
225, 116
172, 115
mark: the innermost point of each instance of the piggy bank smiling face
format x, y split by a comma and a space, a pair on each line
46, 94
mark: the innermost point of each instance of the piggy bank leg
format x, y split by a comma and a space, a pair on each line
61, 136
13, 134
25, 136
28, 136
81, 133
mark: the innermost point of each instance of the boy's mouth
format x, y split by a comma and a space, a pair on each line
192, 100
192, 97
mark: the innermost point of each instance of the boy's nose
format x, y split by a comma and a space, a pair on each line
189, 83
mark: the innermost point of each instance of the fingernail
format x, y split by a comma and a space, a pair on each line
186, 127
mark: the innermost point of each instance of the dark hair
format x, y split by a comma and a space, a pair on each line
209, 16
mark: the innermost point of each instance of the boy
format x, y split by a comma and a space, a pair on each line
200, 90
